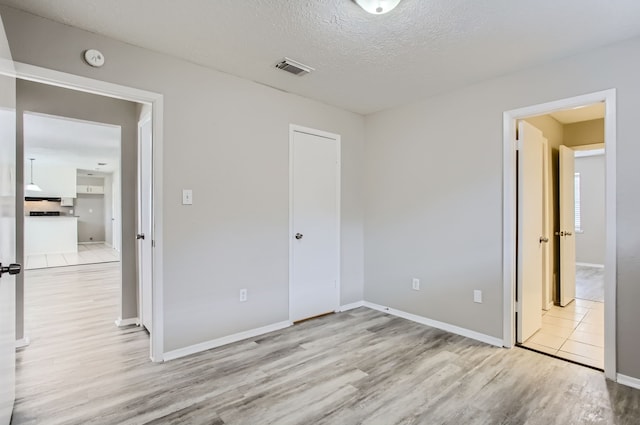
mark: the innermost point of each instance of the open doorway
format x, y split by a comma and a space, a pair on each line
71, 210
85, 151
570, 321
561, 259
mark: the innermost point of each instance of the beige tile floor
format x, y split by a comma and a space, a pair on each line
87, 254
574, 332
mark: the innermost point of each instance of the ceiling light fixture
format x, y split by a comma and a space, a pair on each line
32, 186
377, 7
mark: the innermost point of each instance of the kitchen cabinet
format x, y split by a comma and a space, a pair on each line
90, 189
55, 181
50, 235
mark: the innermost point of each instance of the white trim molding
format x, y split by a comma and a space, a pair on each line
127, 322
509, 215
218, 342
156, 100
350, 306
23, 342
629, 381
598, 266
488, 339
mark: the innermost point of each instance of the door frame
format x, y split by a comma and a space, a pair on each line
142, 121
156, 100
293, 128
510, 215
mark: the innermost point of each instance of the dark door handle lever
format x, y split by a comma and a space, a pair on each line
11, 269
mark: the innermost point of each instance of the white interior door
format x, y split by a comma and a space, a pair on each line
315, 224
144, 222
567, 226
547, 208
530, 230
7, 232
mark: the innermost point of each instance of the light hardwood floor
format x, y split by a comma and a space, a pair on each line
358, 367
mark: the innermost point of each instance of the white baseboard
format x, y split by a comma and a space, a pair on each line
214, 343
628, 381
351, 306
498, 342
91, 243
23, 342
598, 266
127, 322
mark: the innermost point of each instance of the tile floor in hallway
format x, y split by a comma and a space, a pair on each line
574, 332
87, 254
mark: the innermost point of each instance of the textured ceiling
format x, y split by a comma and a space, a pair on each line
364, 63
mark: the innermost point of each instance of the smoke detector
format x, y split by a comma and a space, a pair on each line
294, 67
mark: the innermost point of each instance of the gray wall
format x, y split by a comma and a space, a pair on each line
227, 139
433, 204
590, 244
41, 98
90, 210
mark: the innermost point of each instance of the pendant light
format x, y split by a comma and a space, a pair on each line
377, 7
32, 186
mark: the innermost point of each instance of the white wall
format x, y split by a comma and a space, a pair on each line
433, 203
590, 244
227, 140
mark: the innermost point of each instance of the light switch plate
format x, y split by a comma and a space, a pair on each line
477, 296
187, 197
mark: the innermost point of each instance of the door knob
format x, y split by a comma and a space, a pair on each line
140, 236
299, 235
11, 269
543, 239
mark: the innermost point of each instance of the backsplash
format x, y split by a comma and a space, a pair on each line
46, 206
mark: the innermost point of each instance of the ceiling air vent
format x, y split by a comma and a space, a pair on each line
294, 67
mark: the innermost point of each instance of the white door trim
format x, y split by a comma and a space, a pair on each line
509, 215
156, 100
297, 128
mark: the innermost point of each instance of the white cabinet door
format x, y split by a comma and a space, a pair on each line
90, 189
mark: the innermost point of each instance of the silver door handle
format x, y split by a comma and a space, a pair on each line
299, 236
11, 269
543, 239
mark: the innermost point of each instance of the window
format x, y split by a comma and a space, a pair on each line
578, 219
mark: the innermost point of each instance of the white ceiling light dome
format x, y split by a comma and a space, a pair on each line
377, 7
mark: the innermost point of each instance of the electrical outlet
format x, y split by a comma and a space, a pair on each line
415, 284
477, 296
243, 295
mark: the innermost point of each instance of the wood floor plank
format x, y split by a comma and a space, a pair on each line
357, 367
